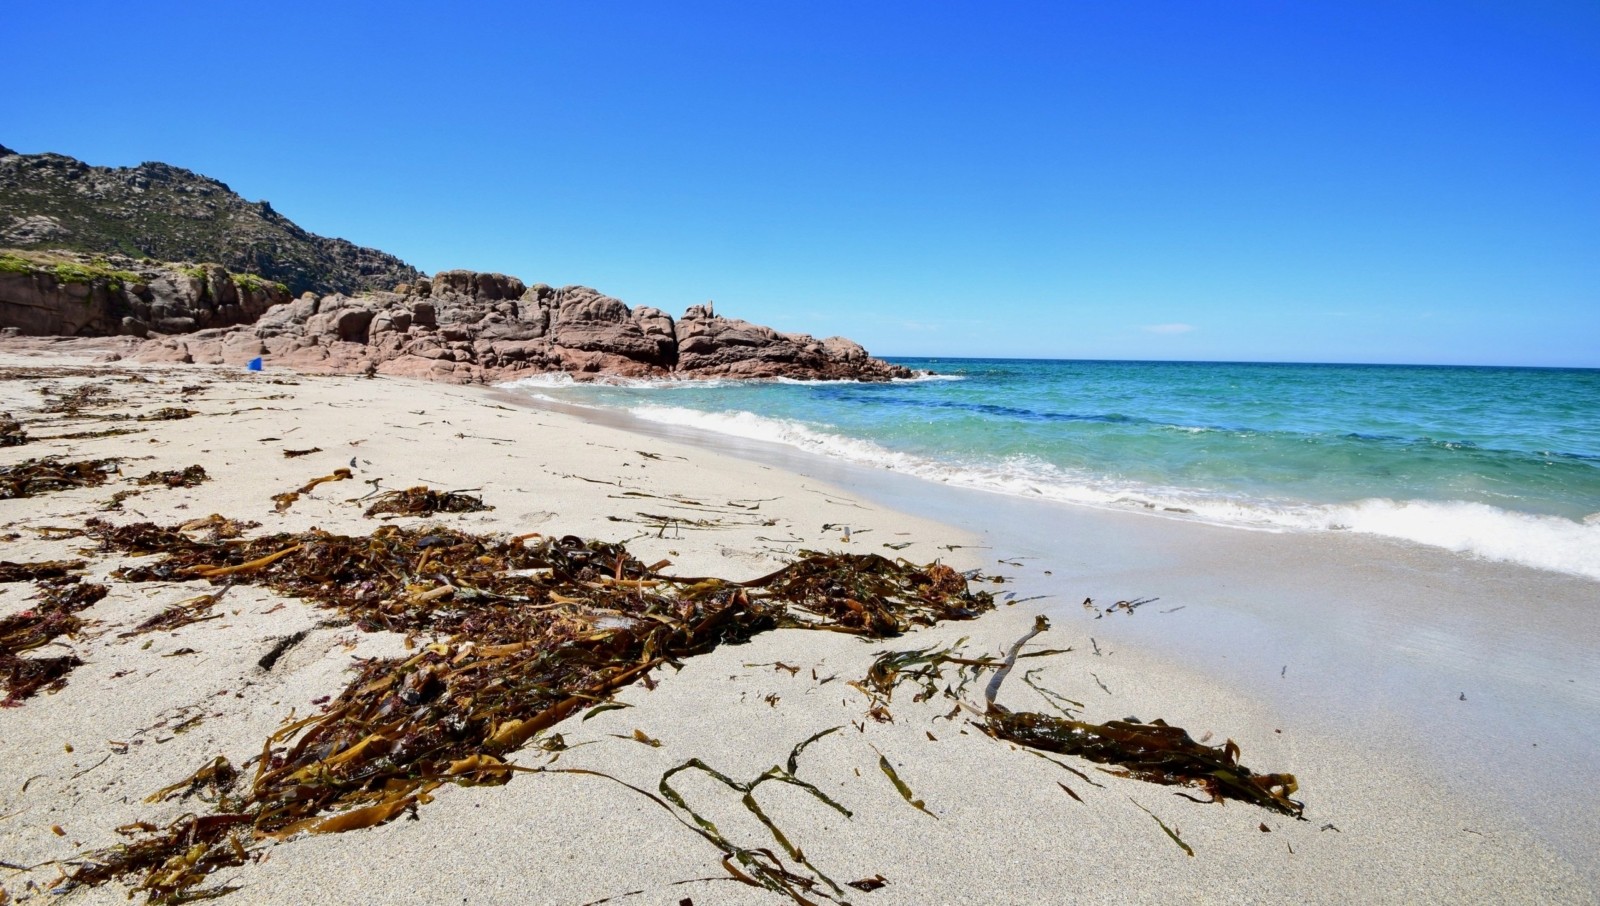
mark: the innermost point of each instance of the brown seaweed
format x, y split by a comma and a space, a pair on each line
901, 787
1172, 834
167, 414
217, 527
283, 501
39, 476
762, 868
24, 677
183, 613
81, 397
11, 433
424, 501
117, 497
85, 435
176, 478
53, 616
44, 569
531, 634
1153, 751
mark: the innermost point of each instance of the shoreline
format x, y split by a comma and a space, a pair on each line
1377, 632
1541, 531
1001, 830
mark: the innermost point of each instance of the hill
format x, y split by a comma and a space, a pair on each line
51, 201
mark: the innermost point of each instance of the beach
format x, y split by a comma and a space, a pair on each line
1436, 710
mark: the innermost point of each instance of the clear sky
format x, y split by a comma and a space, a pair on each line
1356, 181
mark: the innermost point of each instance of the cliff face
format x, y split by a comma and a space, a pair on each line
78, 296
49, 201
467, 327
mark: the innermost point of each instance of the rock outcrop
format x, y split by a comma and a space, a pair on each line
50, 201
467, 327
86, 240
75, 296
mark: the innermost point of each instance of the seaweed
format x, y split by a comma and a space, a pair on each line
176, 478
282, 502
217, 527
280, 648
85, 435
44, 569
424, 501
54, 616
81, 397
183, 613
901, 787
167, 414
24, 677
11, 433
115, 503
39, 476
529, 634
1154, 751
757, 866
1167, 830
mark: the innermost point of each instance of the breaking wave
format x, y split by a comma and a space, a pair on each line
1544, 542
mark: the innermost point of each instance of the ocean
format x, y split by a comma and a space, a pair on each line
1497, 463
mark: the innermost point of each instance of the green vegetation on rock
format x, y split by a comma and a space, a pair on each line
91, 272
95, 270
253, 283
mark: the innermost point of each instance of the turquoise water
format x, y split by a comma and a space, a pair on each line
1495, 462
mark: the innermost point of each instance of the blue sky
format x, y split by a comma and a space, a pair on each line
1280, 181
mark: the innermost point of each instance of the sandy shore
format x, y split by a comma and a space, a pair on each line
1381, 826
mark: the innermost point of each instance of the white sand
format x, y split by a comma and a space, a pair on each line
1005, 832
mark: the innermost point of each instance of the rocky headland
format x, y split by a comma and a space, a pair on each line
185, 270
458, 326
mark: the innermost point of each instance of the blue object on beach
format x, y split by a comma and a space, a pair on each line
255, 364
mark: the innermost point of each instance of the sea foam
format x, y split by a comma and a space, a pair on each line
1543, 542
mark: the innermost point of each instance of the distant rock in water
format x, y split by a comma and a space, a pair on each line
468, 327
50, 201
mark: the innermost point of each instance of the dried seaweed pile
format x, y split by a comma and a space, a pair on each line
42, 569
176, 478
531, 635
72, 402
53, 616
38, 476
11, 433
167, 414
424, 501
37, 372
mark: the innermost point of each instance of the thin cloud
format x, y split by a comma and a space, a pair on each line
1169, 328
